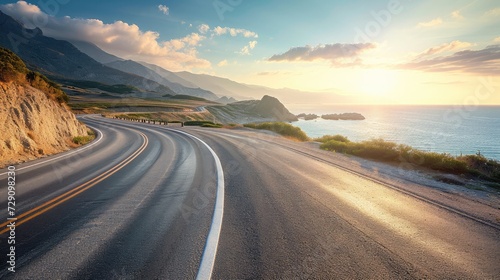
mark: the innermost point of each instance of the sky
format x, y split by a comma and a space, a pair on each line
380, 51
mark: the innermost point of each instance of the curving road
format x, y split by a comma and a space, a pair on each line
150, 202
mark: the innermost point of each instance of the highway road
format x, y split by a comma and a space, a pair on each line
154, 202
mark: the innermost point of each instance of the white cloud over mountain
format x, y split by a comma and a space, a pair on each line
119, 38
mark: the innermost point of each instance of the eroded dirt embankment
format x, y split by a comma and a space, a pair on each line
32, 125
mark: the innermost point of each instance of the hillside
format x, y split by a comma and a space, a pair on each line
158, 74
135, 68
267, 109
61, 60
35, 119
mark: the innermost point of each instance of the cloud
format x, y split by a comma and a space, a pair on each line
246, 49
446, 47
432, 23
456, 15
218, 31
203, 28
484, 62
493, 12
164, 9
497, 39
274, 73
119, 38
222, 63
335, 53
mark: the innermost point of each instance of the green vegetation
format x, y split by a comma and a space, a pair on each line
13, 69
82, 140
119, 88
326, 138
281, 128
187, 97
79, 106
51, 89
215, 125
202, 124
381, 150
136, 116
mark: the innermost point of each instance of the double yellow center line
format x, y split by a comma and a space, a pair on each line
39, 210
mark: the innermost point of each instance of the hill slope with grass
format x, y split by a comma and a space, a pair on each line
62, 61
34, 116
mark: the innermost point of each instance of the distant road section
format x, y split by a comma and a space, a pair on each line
151, 202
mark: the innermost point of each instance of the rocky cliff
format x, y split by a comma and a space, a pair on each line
34, 123
266, 109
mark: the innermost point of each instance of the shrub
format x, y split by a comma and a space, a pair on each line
82, 140
12, 68
487, 168
281, 128
326, 138
381, 150
51, 89
338, 146
215, 125
199, 123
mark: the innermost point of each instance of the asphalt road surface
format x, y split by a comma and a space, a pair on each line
154, 202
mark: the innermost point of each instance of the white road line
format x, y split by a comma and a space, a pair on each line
65, 155
210, 251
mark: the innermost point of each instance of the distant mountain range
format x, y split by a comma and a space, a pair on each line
77, 60
61, 60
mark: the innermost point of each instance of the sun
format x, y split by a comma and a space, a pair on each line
377, 82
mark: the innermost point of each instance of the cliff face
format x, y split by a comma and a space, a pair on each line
33, 125
271, 107
266, 109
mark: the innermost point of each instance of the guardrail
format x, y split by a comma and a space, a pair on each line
158, 122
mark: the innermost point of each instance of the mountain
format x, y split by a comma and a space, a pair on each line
226, 100
221, 86
169, 75
294, 99
267, 109
271, 107
153, 72
61, 60
133, 67
35, 122
95, 52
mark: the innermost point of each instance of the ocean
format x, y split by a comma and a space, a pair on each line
445, 129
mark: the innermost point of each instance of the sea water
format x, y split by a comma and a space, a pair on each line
445, 129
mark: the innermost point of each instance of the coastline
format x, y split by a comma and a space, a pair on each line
436, 128
473, 197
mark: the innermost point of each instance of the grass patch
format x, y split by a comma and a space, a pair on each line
215, 125
118, 88
281, 128
326, 138
381, 150
187, 97
201, 123
82, 140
